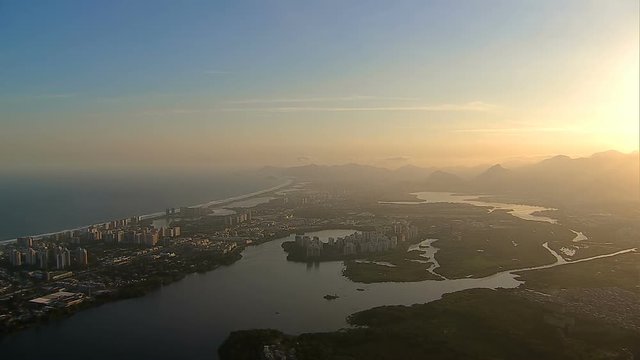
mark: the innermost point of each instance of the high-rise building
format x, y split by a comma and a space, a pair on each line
31, 257
170, 232
412, 233
109, 237
63, 258
138, 238
43, 258
25, 242
15, 258
81, 257
95, 235
151, 237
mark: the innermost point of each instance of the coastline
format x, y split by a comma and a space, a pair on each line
140, 290
125, 293
154, 215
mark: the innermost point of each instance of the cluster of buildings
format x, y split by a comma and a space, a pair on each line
362, 242
148, 236
37, 255
278, 352
139, 235
405, 231
127, 230
42, 255
235, 219
357, 243
60, 299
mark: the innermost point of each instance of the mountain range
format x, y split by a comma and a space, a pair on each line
605, 176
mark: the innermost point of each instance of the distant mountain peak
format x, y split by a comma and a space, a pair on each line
608, 154
495, 173
438, 172
443, 181
556, 159
497, 168
408, 167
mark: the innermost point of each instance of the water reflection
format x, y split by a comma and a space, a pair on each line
522, 211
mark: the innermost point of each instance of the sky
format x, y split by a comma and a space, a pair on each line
249, 83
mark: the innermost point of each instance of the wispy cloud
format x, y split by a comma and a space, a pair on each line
216, 72
475, 106
515, 130
53, 96
397, 159
40, 96
165, 112
319, 99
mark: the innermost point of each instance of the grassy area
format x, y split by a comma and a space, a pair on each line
577, 323
473, 243
372, 273
404, 269
622, 271
500, 243
473, 324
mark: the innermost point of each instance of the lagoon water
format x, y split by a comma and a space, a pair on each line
523, 211
189, 319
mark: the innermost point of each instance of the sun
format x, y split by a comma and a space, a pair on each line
619, 115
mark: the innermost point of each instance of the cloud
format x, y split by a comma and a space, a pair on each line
397, 159
519, 130
318, 99
185, 111
216, 72
475, 106
303, 158
54, 96
45, 96
25, 97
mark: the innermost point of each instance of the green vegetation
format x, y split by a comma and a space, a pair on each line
473, 324
404, 270
622, 271
362, 267
247, 345
500, 242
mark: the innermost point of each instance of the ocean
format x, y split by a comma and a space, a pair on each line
43, 202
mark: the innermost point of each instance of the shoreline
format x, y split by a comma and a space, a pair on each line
154, 215
125, 293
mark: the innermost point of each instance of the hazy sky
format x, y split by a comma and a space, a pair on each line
98, 83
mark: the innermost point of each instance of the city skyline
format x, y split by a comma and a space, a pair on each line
282, 83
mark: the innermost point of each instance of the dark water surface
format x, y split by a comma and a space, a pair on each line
42, 203
191, 318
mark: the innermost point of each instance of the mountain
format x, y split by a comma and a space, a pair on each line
413, 172
608, 176
496, 172
444, 181
493, 179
